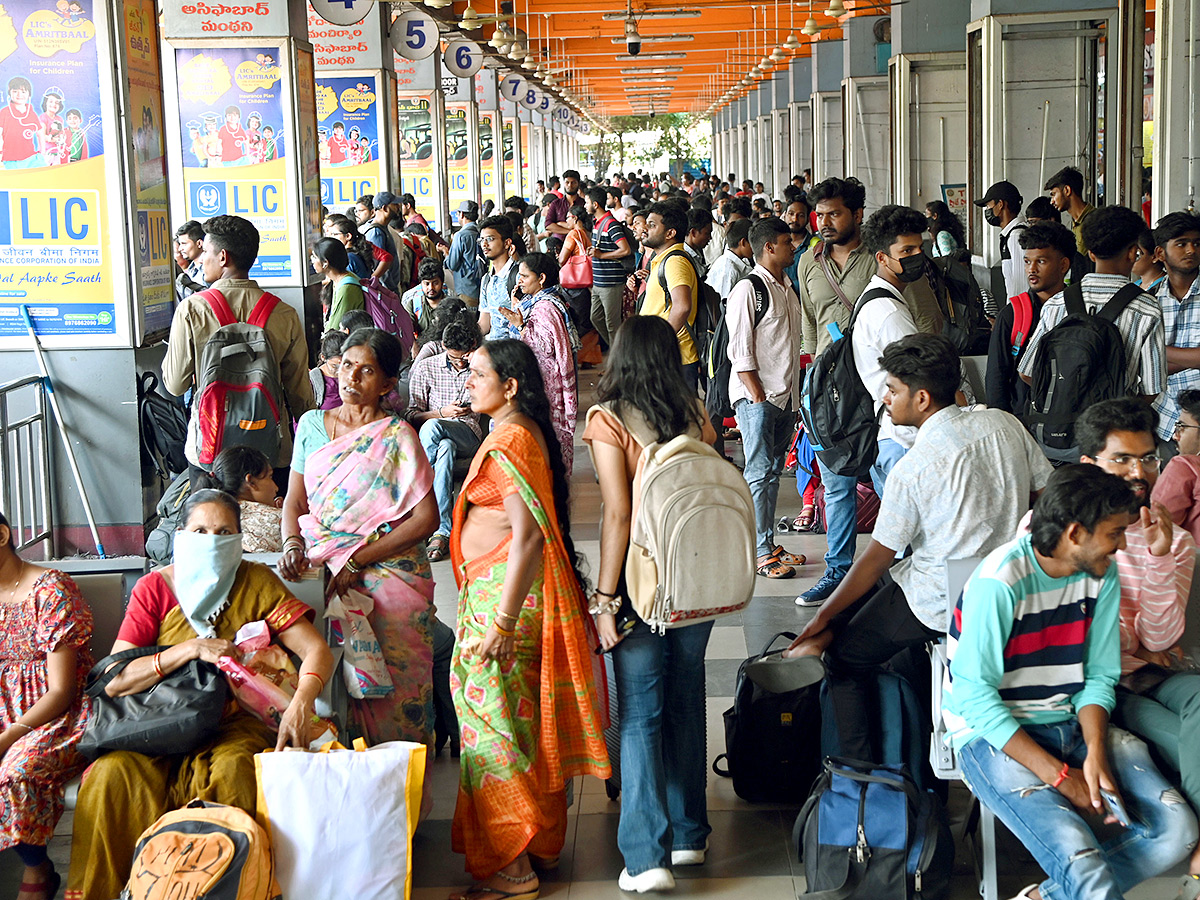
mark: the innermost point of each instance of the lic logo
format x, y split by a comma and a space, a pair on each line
208, 199
326, 191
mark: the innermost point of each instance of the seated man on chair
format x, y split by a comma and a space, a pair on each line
1034, 655
959, 492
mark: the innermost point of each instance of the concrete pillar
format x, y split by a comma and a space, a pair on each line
462, 142
867, 127
828, 143
421, 116
1176, 152
356, 133
525, 120
800, 71
928, 89
491, 153
512, 148
781, 131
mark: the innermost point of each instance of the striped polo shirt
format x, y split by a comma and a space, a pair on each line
1028, 649
606, 234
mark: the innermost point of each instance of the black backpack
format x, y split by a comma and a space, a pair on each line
772, 741
717, 364
628, 263
837, 409
708, 307
961, 303
1080, 361
163, 428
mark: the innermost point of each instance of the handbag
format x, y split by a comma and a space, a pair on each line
176, 715
576, 272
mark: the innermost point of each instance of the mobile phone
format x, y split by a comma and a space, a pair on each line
1115, 806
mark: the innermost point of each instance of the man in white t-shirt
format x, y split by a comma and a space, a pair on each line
893, 235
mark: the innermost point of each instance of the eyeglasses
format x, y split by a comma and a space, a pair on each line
1179, 426
487, 238
1149, 463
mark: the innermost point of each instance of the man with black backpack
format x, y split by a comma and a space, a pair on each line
1099, 339
1002, 209
279, 359
612, 258
672, 288
763, 316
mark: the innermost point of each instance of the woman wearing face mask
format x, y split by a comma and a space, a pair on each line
193, 607
360, 500
45, 627
945, 228
551, 335
246, 475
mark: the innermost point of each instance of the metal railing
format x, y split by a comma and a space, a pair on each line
26, 496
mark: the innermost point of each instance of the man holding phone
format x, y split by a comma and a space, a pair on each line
1034, 657
440, 411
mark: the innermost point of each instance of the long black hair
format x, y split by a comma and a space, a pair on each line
232, 467
644, 372
947, 221
513, 359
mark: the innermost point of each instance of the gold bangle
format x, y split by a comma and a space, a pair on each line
22, 725
500, 631
500, 614
320, 680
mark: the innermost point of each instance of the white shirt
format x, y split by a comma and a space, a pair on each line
772, 348
727, 271
880, 322
1013, 268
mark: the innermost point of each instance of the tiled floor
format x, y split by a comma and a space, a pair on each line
751, 852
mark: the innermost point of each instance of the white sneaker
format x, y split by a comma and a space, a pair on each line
1026, 892
650, 880
689, 857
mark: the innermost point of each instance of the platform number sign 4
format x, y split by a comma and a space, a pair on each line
343, 12
513, 87
463, 58
414, 34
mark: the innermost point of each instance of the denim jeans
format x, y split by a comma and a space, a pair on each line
766, 434
1162, 829
1168, 718
664, 758
890, 453
446, 440
841, 521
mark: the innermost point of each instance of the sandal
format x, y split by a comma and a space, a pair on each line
772, 567
480, 890
439, 546
805, 519
789, 559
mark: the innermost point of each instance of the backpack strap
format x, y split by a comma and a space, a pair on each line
1118, 304
662, 280
1022, 305
762, 297
872, 294
1073, 300
219, 306
819, 255
262, 310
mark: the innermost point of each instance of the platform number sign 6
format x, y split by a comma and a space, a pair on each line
513, 87
463, 58
414, 34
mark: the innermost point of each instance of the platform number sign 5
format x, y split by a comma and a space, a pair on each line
463, 58
513, 87
414, 34
343, 12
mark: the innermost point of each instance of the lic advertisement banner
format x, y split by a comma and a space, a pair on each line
348, 139
510, 173
458, 166
54, 228
417, 175
234, 142
487, 170
526, 152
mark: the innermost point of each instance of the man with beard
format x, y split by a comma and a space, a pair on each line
795, 216
1002, 209
556, 213
666, 228
1177, 247
1159, 699
829, 279
1034, 648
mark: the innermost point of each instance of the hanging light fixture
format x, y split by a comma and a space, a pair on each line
835, 9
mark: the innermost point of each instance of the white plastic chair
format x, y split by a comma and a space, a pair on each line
941, 755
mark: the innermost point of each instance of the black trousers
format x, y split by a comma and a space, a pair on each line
870, 633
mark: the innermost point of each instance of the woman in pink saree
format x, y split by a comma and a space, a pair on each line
360, 501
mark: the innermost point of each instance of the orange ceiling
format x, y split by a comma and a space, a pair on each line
728, 40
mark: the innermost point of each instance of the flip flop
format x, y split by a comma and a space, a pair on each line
439, 546
780, 674
803, 522
482, 890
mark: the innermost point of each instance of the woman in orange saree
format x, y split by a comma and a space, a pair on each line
524, 673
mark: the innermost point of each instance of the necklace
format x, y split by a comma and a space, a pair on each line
12, 594
507, 416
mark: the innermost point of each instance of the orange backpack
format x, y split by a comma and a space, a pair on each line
204, 851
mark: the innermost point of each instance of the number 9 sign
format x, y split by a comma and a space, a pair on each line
513, 87
463, 58
414, 34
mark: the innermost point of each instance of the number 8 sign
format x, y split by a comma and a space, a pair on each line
531, 98
513, 87
463, 58
414, 34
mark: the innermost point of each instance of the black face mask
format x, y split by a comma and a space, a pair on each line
912, 267
991, 218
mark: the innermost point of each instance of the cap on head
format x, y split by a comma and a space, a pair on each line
1002, 190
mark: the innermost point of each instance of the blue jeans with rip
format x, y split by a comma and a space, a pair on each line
766, 433
841, 521
1168, 718
446, 440
664, 759
1162, 830
890, 453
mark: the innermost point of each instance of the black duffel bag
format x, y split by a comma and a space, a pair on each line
176, 715
772, 741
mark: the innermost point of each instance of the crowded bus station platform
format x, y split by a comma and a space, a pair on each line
502, 449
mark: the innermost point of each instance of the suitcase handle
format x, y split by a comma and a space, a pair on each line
790, 635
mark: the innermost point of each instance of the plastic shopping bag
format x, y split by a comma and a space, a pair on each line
260, 696
342, 821
363, 667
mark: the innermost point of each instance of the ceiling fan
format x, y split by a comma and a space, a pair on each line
471, 20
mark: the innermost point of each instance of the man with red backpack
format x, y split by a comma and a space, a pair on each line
249, 397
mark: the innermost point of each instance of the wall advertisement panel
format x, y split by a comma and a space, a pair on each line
348, 114
510, 173
458, 164
487, 125
235, 138
55, 240
417, 174
526, 187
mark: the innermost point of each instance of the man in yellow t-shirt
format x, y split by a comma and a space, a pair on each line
665, 230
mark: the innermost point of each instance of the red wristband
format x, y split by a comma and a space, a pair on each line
1062, 776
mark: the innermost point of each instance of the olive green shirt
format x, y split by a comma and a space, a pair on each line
1077, 227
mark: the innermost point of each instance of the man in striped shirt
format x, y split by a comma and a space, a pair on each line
1155, 700
1034, 650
